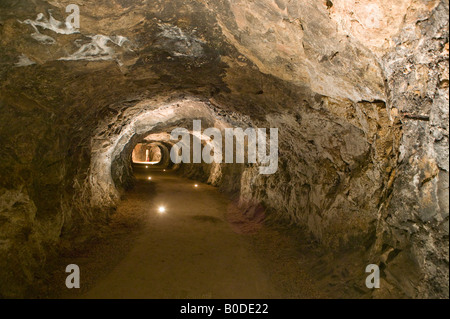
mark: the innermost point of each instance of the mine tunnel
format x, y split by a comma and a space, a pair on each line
147, 153
224, 149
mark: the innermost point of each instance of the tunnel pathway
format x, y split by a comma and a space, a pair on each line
187, 252
191, 251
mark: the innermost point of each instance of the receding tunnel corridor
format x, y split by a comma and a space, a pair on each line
191, 250
224, 149
146, 154
200, 246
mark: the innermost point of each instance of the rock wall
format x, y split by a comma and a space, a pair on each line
357, 89
414, 226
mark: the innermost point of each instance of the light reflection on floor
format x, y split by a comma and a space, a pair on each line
147, 163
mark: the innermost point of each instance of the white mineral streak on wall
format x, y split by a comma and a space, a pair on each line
51, 24
183, 43
96, 50
24, 61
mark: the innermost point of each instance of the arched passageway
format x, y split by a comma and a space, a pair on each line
356, 93
146, 154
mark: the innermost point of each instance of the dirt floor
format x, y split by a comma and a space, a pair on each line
197, 249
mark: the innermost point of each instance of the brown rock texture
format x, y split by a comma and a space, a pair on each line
357, 89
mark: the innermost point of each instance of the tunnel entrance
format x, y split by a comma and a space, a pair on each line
147, 153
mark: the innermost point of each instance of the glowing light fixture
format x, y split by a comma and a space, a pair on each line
149, 178
161, 209
196, 185
146, 166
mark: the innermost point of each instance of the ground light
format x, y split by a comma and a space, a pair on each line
161, 209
